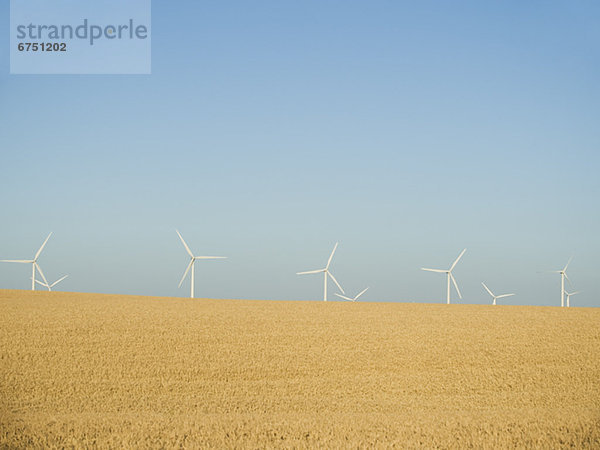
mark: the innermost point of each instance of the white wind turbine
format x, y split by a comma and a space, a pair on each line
50, 286
326, 273
33, 262
569, 297
449, 275
191, 264
495, 296
563, 275
351, 299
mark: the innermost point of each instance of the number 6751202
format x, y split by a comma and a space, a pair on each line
42, 46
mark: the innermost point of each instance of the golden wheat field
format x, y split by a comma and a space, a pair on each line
90, 370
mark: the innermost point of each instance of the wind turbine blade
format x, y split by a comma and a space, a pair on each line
576, 292
17, 260
455, 285
210, 257
310, 271
487, 289
58, 281
505, 295
344, 297
184, 244
186, 272
41, 283
335, 281
434, 270
41, 248
458, 259
570, 259
331, 256
361, 293
567, 277
40, 271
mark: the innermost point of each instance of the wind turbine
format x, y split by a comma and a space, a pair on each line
449, 275
563, 275
191, 264
351, 299
569, 297
33, 262
327, 273
50, 286
495, 296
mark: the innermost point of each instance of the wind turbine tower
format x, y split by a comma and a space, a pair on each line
569, 297
563, 275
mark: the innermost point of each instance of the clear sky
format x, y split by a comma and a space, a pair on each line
268, 131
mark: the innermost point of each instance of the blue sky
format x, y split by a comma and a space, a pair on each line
268, 131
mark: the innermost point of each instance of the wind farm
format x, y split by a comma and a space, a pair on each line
327, 275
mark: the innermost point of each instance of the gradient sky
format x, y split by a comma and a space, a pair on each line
268, 131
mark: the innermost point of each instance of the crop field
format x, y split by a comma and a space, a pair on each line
90, 370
